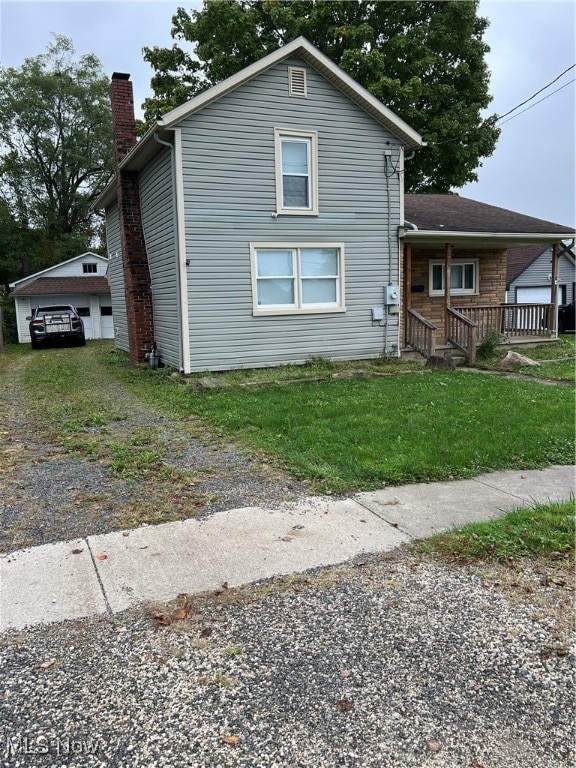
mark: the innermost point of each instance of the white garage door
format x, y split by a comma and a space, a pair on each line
533, 295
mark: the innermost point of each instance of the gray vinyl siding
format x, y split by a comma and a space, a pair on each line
230, 199
115, 275
537, 275
158, 219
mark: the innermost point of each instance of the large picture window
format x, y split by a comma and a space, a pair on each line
463, 277
296, 172
288, 279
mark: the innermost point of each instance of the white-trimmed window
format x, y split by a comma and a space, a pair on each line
288, 279
296, 155
88, 268
463, 277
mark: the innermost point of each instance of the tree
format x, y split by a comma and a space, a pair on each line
56, 151
425, 60
22, 250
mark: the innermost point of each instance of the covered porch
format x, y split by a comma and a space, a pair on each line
454, 275
463, 316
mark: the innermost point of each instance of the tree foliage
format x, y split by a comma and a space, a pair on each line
56, 150
21, 248
424, 60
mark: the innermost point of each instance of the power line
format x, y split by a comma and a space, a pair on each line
540, 101
535, 94
494, 120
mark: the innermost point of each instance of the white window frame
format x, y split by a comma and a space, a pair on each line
453, 291
298, 308
311, 138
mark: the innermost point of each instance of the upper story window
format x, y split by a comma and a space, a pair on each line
289, 278
296, 172
89, 268
463, 277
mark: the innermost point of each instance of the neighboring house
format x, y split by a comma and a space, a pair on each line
529, 275
262, 223
81, 282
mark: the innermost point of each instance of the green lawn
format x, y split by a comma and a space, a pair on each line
350, 434
339, 435
542, 531
556, 359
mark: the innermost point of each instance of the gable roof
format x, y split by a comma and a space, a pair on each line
304, 49
451, 218
519, 259
60, 286
57, 266
147, 147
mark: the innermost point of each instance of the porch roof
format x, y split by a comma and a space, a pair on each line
435, 219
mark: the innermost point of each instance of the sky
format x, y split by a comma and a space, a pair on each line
533, 168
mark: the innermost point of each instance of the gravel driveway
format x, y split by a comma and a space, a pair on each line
49, 494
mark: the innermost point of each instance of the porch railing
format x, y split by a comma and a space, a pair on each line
421, 334
511, 319
462, 332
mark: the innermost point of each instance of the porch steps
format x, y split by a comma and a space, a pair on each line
441, 351
460, 359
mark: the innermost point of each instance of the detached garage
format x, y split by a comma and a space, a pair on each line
81, 282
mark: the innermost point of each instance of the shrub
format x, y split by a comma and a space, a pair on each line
487, 346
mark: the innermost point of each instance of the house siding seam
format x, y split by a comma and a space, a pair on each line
158, 220
230, 199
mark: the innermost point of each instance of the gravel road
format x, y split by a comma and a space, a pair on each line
395, 662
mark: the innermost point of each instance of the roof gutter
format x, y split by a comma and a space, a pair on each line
506, 238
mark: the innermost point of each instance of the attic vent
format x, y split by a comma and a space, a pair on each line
297, 81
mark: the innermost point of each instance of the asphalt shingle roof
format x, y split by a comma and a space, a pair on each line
520, 258
452, 213
60, 286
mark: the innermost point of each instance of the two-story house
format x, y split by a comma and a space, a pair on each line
263, 223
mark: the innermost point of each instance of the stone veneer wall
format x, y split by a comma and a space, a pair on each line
492, 283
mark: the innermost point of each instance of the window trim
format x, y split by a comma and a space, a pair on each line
89, 268
454, 291
298, 309
312, 138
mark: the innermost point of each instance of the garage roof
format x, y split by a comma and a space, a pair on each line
60, 286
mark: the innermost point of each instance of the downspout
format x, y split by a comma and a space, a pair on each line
182, 275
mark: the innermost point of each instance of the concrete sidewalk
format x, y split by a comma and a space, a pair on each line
109, 573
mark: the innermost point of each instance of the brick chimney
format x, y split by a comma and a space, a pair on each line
137, 284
